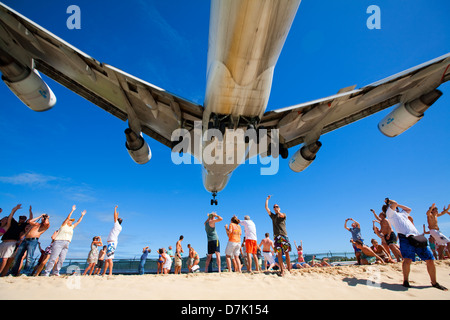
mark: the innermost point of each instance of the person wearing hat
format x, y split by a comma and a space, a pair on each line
61, 243
251, 244
213, 239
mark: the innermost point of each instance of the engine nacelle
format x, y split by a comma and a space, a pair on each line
137, 147
304, 157
33, 91
405, 115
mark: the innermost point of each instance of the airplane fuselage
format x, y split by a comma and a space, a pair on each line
245, 40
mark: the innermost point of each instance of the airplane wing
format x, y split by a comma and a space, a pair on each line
147, 108
413, 91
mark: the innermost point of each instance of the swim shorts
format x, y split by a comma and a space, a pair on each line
268, 257
250, 246
178, 261
233, 249
99, 264
409, 252
282, 244
213, 246
392, 238
110, 250
439, 238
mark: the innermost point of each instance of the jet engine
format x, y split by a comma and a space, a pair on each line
304, 157
137, 147
405, 115
33, 91
26, 84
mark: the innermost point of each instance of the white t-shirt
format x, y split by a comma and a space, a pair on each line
114, 233
401, 223
249, 229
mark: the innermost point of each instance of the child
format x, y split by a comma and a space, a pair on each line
101, 260
161, 261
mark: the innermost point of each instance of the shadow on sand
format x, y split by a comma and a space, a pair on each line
353, 282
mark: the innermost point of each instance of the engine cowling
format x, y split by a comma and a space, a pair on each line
405, 115
304, 157
137, 147
33, 91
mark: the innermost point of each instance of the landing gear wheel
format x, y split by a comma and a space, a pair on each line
214, 200
284, 153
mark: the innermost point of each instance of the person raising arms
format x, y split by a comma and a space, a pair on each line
281, 240
61, 243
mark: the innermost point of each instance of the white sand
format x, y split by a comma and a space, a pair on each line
331, 283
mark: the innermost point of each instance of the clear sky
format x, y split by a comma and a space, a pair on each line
75, 153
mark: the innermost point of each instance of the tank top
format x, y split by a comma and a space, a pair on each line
235, 233
211, 232
65, 233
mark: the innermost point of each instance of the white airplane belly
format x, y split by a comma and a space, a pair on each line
245, 41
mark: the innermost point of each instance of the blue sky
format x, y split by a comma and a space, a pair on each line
75, 154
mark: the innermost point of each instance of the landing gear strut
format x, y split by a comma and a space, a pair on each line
214, 200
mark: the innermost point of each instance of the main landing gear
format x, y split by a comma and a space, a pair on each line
214, 200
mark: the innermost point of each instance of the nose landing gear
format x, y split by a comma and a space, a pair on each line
214, 200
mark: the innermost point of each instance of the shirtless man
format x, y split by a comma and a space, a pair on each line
267, 249
30, 243
366, 252
439, 238
388, 234
178, 251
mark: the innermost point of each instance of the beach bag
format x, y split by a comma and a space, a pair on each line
418, 241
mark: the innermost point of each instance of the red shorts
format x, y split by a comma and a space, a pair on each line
250, 246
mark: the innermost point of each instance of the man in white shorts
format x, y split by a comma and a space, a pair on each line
439, 238
112, 242
267, 249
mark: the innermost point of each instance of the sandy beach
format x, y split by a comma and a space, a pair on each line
328, 283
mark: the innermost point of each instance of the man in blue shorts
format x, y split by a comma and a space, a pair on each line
405, 228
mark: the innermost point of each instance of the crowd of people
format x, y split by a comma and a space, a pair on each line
21, 238
407, 244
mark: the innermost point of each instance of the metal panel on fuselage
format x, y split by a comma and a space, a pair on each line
245, 41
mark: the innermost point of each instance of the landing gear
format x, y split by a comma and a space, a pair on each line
220, 122
284, 153
214, 200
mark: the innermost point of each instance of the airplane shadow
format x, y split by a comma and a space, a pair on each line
353, 282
